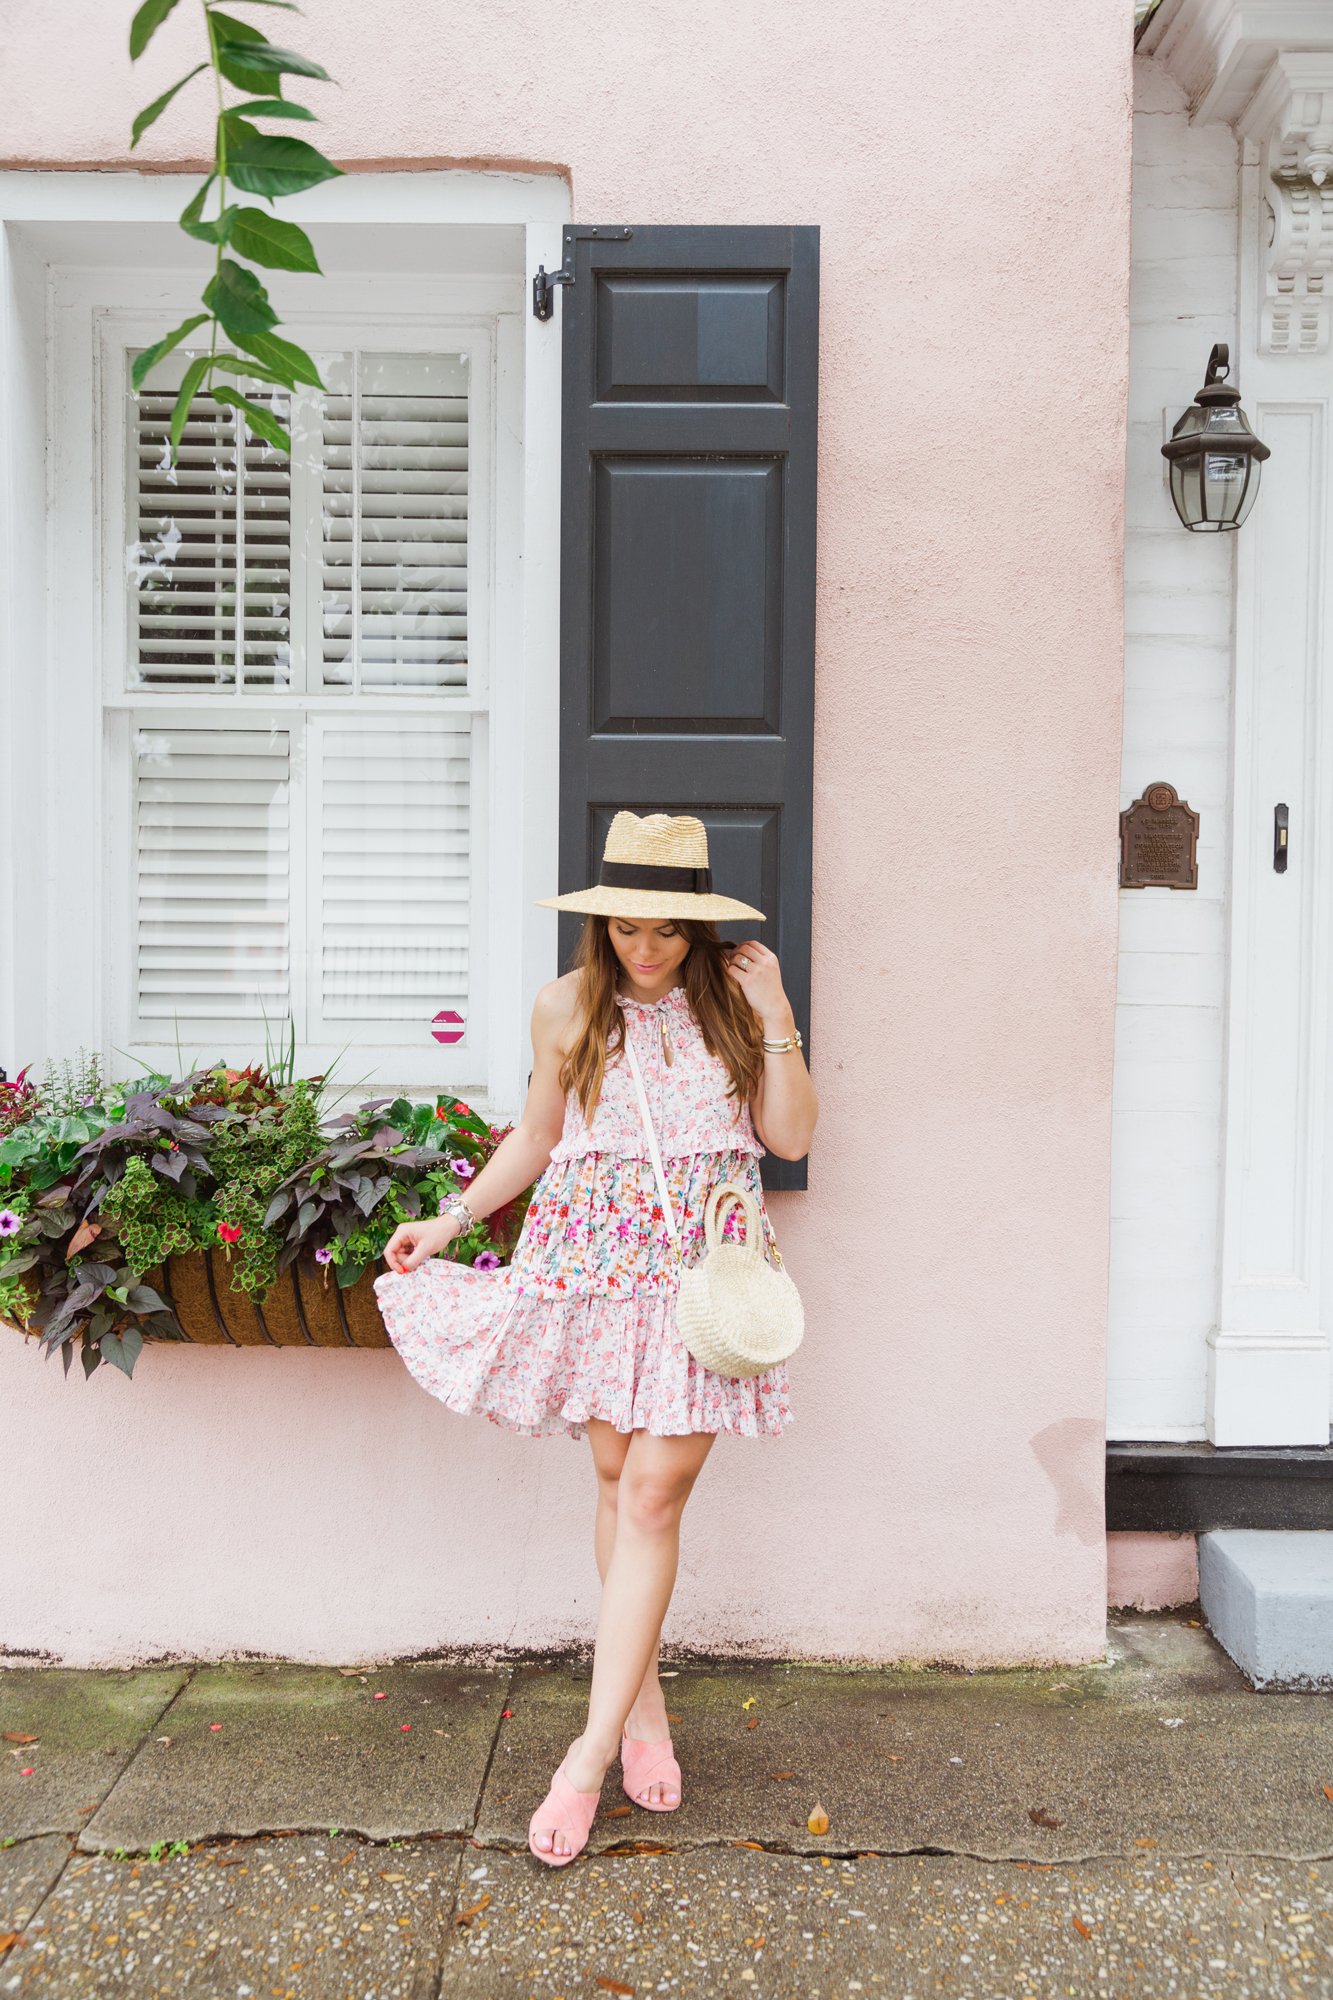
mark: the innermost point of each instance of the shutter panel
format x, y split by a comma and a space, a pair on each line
212, 533
688, 561
212, 844
395, 508
390, 847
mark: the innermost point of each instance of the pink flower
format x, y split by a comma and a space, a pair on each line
229, 1234
10, 1223
488, 1261
215, 1725
463, 1168
324, 1255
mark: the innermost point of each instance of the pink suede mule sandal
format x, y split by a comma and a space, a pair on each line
568, 1812
647, 1764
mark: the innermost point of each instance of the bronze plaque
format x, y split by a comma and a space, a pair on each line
1159, 838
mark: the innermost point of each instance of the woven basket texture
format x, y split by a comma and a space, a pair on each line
300, 1311
738, 1314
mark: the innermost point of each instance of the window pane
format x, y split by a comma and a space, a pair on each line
196, 527
395, 486
212, 842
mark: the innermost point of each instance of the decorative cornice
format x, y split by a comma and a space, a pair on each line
1266, 68
1219, 51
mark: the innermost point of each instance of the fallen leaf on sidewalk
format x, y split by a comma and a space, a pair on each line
1081, 1928
753, 1845
818, 1820
780, 1775
86, 1809
1040, 1817
753, 1723
674, 1718
1145, 1843
8, 1938
17, 1736
465, 1917
638, 1847
1328, 1791
616, 1812
613, 1986
750, 1703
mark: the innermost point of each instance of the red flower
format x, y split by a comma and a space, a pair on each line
441, 1112
228, 1233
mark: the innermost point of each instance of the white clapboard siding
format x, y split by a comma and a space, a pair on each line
214, 524
392, 861
212, 876
395, 522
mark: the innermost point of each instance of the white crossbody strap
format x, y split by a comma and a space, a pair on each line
654, 1154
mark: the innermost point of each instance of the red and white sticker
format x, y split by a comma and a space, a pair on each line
448, 1026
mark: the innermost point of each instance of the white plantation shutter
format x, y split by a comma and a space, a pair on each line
213, 877
395, 522
309, 856
390, 827
210, 558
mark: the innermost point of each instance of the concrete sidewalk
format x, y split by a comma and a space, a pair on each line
1145, 1826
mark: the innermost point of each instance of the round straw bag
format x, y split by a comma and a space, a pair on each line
737, 1313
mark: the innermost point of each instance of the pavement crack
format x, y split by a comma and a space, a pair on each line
51, 1887
133, 1752
490, 1754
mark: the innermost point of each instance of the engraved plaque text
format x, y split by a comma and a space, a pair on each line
1159, 839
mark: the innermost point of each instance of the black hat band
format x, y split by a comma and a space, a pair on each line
636, 875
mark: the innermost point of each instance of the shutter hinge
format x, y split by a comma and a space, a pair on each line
543, 285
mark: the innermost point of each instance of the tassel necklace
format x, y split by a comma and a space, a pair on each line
668, 1052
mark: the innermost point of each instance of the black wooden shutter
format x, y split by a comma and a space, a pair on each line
687, 620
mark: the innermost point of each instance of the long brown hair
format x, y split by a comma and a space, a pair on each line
727, 1022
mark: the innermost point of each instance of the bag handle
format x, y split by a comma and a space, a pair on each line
654, 1153
723, 1195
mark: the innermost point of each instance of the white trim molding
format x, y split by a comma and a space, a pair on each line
1268, 1389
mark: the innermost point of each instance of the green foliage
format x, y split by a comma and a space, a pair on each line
259, 163
152, 1221
229, 1159
71, 1087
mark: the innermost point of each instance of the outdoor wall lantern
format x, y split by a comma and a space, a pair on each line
1214, 455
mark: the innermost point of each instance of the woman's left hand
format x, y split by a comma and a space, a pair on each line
756, 971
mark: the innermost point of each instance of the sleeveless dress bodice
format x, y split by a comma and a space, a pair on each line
581, 1324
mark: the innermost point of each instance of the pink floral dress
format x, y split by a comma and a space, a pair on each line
582, 1323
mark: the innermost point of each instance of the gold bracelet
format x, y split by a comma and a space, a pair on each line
793, 1041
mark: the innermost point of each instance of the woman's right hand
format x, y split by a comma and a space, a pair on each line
413, 1242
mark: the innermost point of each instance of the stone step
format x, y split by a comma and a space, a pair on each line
1267, 1594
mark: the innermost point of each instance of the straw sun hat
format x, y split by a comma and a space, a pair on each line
654, 867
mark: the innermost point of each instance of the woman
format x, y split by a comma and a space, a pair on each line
579, 1334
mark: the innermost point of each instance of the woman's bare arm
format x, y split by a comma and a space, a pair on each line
784, 1107
521, 1157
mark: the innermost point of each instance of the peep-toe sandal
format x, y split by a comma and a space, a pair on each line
565, 1811
648, 1764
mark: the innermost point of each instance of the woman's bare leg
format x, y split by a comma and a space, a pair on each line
656, 1478
647, 1720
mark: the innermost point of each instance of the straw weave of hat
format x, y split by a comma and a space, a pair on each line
654, 867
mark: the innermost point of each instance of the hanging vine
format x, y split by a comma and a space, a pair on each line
236, 305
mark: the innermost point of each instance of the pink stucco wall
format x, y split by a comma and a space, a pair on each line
1152, 1572
941, 1492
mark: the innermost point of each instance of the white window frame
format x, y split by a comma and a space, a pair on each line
67, 296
